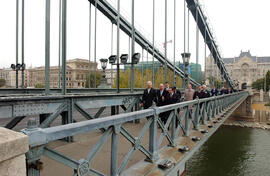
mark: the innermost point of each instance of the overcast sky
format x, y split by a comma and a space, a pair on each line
237, 24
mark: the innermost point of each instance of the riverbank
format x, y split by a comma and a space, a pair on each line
245, 124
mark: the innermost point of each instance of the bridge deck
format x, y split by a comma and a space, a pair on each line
93, 151
137, 166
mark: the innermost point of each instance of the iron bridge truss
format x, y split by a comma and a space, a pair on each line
195, 117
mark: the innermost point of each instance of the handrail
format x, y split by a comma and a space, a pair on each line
196, 112
41, 136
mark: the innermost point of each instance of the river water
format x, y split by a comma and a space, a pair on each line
233, 151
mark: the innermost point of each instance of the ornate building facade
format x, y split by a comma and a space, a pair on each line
244, 69
76, 72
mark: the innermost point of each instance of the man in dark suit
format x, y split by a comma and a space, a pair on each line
214, 91
172, 97
162, 101
178, 94
206, 92
161, 96
149, 95
198, 93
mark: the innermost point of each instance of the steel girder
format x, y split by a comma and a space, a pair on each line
21, 106
208, 37
7, 91
126, 27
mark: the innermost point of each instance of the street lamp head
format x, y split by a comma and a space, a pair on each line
112, 59
104, 63
23, 66
186, 57
124, 58
13, 66
18, 66
136, 58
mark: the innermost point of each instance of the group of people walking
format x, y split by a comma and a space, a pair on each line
166, 95
163, 96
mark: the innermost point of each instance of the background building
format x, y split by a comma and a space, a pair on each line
148, 65
244, 69
77, 71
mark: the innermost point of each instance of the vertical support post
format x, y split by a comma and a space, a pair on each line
203, 111
118, 45
129, 58
17, 40
211, 66
67, 117
174, 127
112, 110
23, 44
117, 109
184, 80
47, 47
142, 69
187, 117
90, 22
174, 37
147, 67
132, 45
95, 45
64, 47
153, 44
111, 54
70, 117
165, 44
114, 151
153, 138
33, 171
197, 45
33, 156
59, 46
205, 40
188, 30
137, 108
197, 115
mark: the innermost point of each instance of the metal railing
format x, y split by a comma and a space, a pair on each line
192, 115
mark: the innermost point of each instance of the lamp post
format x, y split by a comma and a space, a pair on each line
103, 83
186, 58
17, 68
123, 59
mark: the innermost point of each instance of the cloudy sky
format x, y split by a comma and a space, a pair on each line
237, 24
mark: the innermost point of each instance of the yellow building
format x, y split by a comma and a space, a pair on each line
76, 74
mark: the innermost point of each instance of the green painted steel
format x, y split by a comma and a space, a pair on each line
199, 115
47, 46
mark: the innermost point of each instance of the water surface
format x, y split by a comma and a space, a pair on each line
233, 151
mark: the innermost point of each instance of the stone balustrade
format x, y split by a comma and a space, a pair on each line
13, 146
